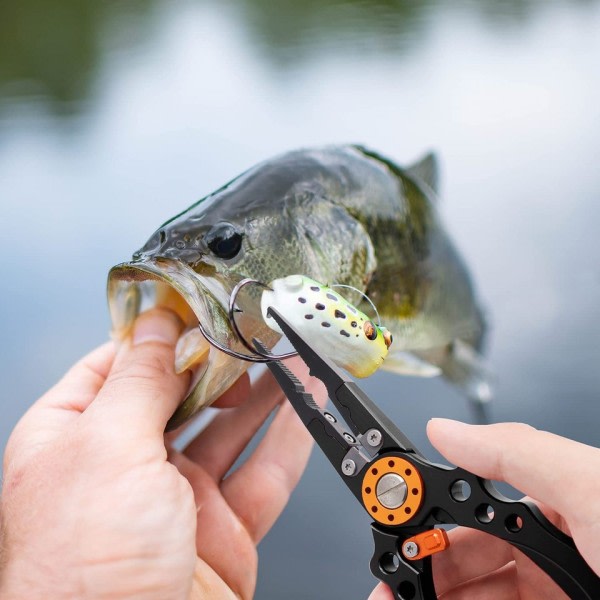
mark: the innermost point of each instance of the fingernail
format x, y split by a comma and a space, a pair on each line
156, 326
446, 422
447, 426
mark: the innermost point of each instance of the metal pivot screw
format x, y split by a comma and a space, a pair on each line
410, 549
391, 491
373, 437
349, 438
330, 417
348, 467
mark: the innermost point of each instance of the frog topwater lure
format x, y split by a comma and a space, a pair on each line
337, 328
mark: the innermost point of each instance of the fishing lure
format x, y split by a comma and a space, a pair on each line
335, 327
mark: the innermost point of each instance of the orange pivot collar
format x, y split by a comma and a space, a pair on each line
392, 490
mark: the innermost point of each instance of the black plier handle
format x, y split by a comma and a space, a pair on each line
407, 496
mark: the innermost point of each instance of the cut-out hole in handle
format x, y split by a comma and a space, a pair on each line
513, 523
484, 513
389, 563
460, 490
407, 590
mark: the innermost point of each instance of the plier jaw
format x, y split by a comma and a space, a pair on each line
407, 496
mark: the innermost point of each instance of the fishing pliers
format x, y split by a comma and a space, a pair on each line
408, 497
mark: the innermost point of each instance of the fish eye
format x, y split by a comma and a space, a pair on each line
224, 240
387, 338
370, 330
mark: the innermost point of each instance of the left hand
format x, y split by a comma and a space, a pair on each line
97, 504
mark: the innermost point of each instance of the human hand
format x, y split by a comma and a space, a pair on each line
95, 504
562, 475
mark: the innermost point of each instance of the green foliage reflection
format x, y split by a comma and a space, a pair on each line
53, 51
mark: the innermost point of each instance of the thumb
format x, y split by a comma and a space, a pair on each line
544, 466
142, 389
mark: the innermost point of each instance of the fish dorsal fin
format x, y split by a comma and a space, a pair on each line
426, 170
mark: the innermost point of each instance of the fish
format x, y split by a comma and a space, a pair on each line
337, 214
336, 328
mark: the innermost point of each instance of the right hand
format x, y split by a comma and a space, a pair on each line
562, 475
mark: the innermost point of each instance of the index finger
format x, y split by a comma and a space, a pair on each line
63, 403
82, 382
545, 466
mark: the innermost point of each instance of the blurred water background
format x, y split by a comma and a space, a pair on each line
114, 115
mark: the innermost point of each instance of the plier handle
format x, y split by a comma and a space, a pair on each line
408, 497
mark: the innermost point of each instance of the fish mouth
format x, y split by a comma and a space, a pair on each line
198, 295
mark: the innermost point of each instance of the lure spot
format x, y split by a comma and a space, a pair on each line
332, 297
339, 314
344, 333
302, 300
370, 331
387, 338
326, 324
319, 306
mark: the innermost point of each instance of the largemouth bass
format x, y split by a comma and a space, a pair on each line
342, 215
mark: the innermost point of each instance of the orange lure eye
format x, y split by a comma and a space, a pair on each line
370, 330
387, 338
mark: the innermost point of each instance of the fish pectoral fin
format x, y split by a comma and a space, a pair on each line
473, 374
405, 363
426, 170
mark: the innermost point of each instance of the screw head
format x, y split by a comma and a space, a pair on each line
348, 467
410, 549
391, 491
373, 437
330, 417
349, 438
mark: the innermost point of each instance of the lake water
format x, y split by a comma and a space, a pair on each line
116, 115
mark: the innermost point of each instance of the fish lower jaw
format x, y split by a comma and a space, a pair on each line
134, 288
192, 351
133, 291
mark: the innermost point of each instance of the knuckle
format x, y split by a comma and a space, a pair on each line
505, 460
524, 428
9, 451
14, 446
520, 429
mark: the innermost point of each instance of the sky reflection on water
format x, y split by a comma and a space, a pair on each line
113, 116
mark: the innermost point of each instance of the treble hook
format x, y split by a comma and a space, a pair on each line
265, 356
